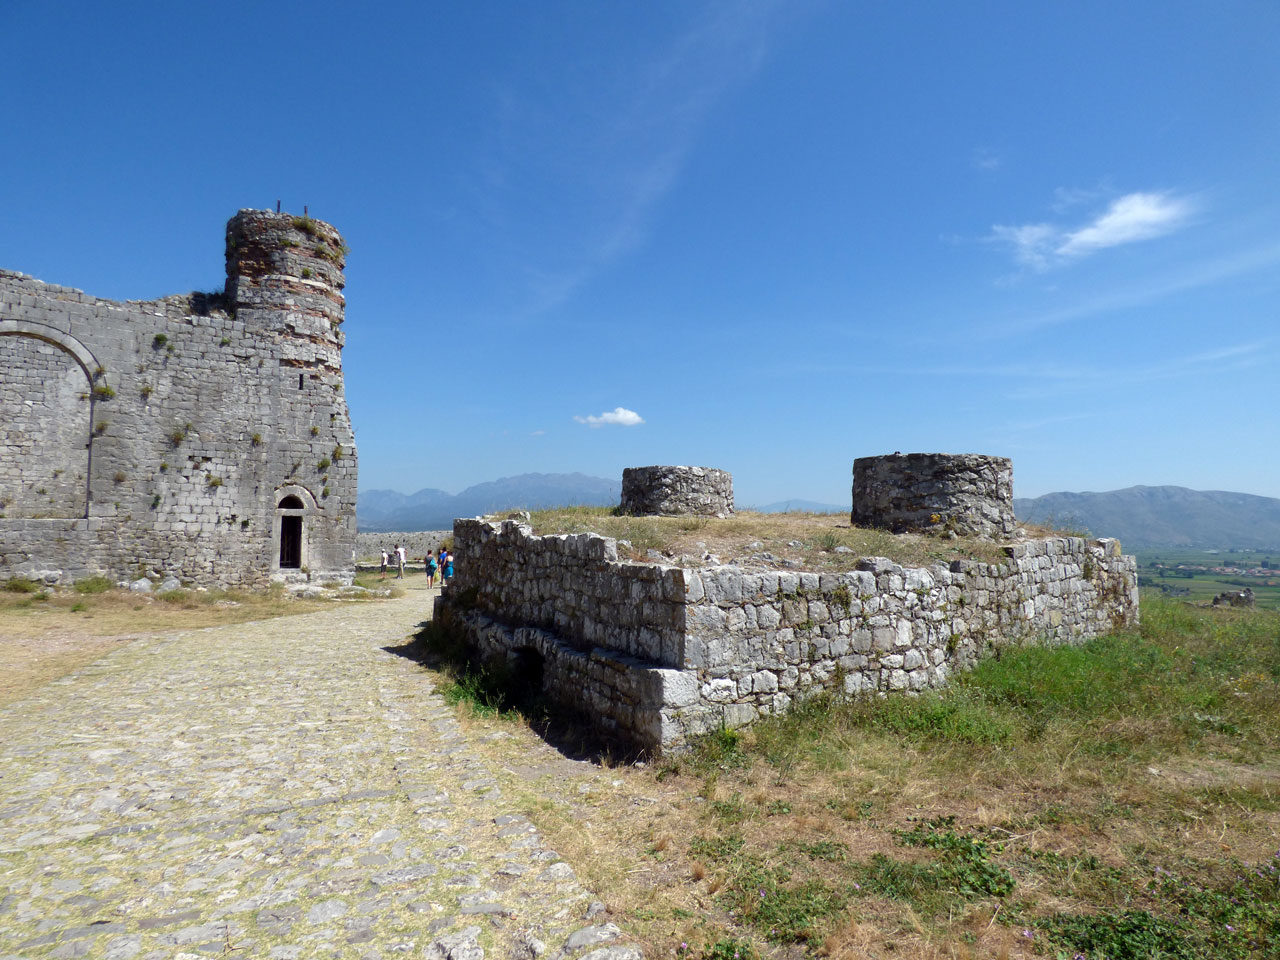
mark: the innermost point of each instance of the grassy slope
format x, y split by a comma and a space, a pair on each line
1120, 799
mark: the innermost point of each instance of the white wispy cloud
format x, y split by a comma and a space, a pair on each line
618, 416
614, 152
1128, 219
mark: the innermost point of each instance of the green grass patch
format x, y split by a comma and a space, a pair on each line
91, 585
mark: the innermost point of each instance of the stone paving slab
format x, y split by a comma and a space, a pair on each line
282, 789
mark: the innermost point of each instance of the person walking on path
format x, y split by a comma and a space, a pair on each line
448, 568
400, 558
430, 562
384, 564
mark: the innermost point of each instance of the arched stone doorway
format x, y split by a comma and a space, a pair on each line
294, 504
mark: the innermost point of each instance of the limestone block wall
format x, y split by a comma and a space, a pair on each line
44, 448
726, 645
572, 585
176, 427
968, 493
676, 491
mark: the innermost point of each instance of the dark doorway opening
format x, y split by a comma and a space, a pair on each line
290, 543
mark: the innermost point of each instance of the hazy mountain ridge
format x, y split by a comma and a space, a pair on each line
1145, 518
430, 509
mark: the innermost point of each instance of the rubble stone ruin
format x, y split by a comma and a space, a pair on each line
652, 652
676, 491
965, 493
202, 436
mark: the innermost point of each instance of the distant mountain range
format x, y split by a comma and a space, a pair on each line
1145, 518
428, 509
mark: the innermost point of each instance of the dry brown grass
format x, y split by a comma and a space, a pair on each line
50, 633
808, 540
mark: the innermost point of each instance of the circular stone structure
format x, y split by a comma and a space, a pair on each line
967, 493
676, 491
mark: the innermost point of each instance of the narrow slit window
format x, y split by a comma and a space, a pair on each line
299, 381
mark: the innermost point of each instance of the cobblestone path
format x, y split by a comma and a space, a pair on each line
281, 789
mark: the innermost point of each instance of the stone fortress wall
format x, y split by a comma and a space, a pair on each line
195, 436
416, 544
653, 654
676, 491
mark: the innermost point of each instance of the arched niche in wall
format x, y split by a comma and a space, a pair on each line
46, 418
294, 505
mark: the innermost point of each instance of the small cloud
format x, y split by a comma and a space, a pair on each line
538, 433
1134, 217
984, 159
619, 416
1129, 219
1031, 242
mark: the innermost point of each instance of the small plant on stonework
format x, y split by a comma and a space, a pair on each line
224, 342
101, 427
244, 524
315, 431
324, 492
119, 477
306, 225
164, 465
177, 435
256, 440
306, 273
98, 371
145, 391
337, 453
102, 391
213, 481
158, 341
155, 501
323, 464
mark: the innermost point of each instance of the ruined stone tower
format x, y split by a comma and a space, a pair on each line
202, 436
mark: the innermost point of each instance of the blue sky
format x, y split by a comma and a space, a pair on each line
765, 237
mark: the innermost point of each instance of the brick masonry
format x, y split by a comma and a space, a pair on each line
161, 436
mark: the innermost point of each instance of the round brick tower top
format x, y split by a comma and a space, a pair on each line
277, 261
677, 491
967, 493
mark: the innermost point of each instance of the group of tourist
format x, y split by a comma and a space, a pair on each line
442, 565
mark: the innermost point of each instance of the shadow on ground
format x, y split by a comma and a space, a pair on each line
514, 692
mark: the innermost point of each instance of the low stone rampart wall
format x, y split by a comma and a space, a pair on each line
655, 654
573, 586
416, 544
